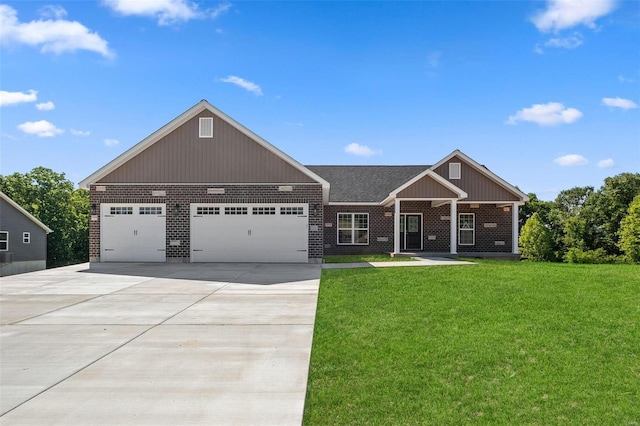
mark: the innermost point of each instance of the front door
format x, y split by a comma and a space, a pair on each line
411, 232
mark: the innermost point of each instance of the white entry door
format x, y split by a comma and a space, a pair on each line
249, 233
133, 233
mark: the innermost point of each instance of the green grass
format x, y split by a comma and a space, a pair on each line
364, 258
492, 343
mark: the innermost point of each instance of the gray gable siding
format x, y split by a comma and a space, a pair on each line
477, 185
13, 221
365, 184
183, 157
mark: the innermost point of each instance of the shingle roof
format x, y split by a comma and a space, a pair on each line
364, 184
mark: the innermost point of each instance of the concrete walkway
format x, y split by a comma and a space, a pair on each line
155, 344
417, 261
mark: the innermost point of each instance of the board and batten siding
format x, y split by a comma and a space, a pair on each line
427, 187
477, 185
183, 157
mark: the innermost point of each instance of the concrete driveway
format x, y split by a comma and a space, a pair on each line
157, 344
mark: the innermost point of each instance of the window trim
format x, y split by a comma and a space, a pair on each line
208, 126
5, 241
455, 171
26, 238
473, 229
353, 229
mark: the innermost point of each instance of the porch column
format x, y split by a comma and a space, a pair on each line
454, 227
396, 227
514, 226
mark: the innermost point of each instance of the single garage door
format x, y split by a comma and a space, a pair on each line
249, 233
133, 233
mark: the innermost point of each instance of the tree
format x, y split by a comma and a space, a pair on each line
52, 199
629, 232
605, 209
536, 242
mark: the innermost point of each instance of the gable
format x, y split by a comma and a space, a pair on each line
12, 214
427, 187
478, 185
181, 156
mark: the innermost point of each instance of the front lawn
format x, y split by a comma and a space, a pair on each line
493, 343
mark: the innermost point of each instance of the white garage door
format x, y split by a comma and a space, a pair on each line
249, 233
133, 233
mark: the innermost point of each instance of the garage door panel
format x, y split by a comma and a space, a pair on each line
133, 233
263, 234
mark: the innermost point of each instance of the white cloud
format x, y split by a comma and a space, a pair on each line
167, 12
45, 106
289, 124
563, 14
53, 35
240, 82
606, 164
360, 150
42, 129
565, 42
550, 114
619, 103
83, 133
12, 98
623, 79
571, 160
53, 12
111, 142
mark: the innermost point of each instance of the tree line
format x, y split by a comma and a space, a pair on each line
583, 225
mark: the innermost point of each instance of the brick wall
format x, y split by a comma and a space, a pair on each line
178, 225
435, 226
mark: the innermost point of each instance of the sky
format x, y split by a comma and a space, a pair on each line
544, 93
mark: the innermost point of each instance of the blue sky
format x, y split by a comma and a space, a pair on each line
544, 93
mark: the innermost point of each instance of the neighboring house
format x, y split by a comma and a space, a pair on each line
204, 188
23, 239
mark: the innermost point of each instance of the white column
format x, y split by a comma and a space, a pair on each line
514, 228
454, 227
396, 228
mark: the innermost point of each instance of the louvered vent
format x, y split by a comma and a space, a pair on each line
206, 127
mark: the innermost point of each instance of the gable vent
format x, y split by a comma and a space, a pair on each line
454, 171
206, 127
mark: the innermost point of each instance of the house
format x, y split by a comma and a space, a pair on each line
23, 239
204, 188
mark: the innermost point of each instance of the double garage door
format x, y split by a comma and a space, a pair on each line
249, 233
219, 232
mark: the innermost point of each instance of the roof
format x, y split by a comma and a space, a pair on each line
365, 184
29, 216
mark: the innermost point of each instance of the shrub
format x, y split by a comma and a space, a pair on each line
536, 242
576, 255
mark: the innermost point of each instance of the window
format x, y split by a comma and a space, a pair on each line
150, 210
121, 210
467, 229
454, 171
206, 127
264, 211
26, 237
235, 210
207, 210
353, 228
4, 240
294, 211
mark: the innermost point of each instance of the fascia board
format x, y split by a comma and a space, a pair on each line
497, 179
26, 213
439, 179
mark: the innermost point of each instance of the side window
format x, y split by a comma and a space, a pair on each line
4, 240
467, 229
26, 238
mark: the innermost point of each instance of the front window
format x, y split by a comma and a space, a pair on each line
353, 228
467, 229
4, 240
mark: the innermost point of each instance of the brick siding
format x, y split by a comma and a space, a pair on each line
178, 225
435, 223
